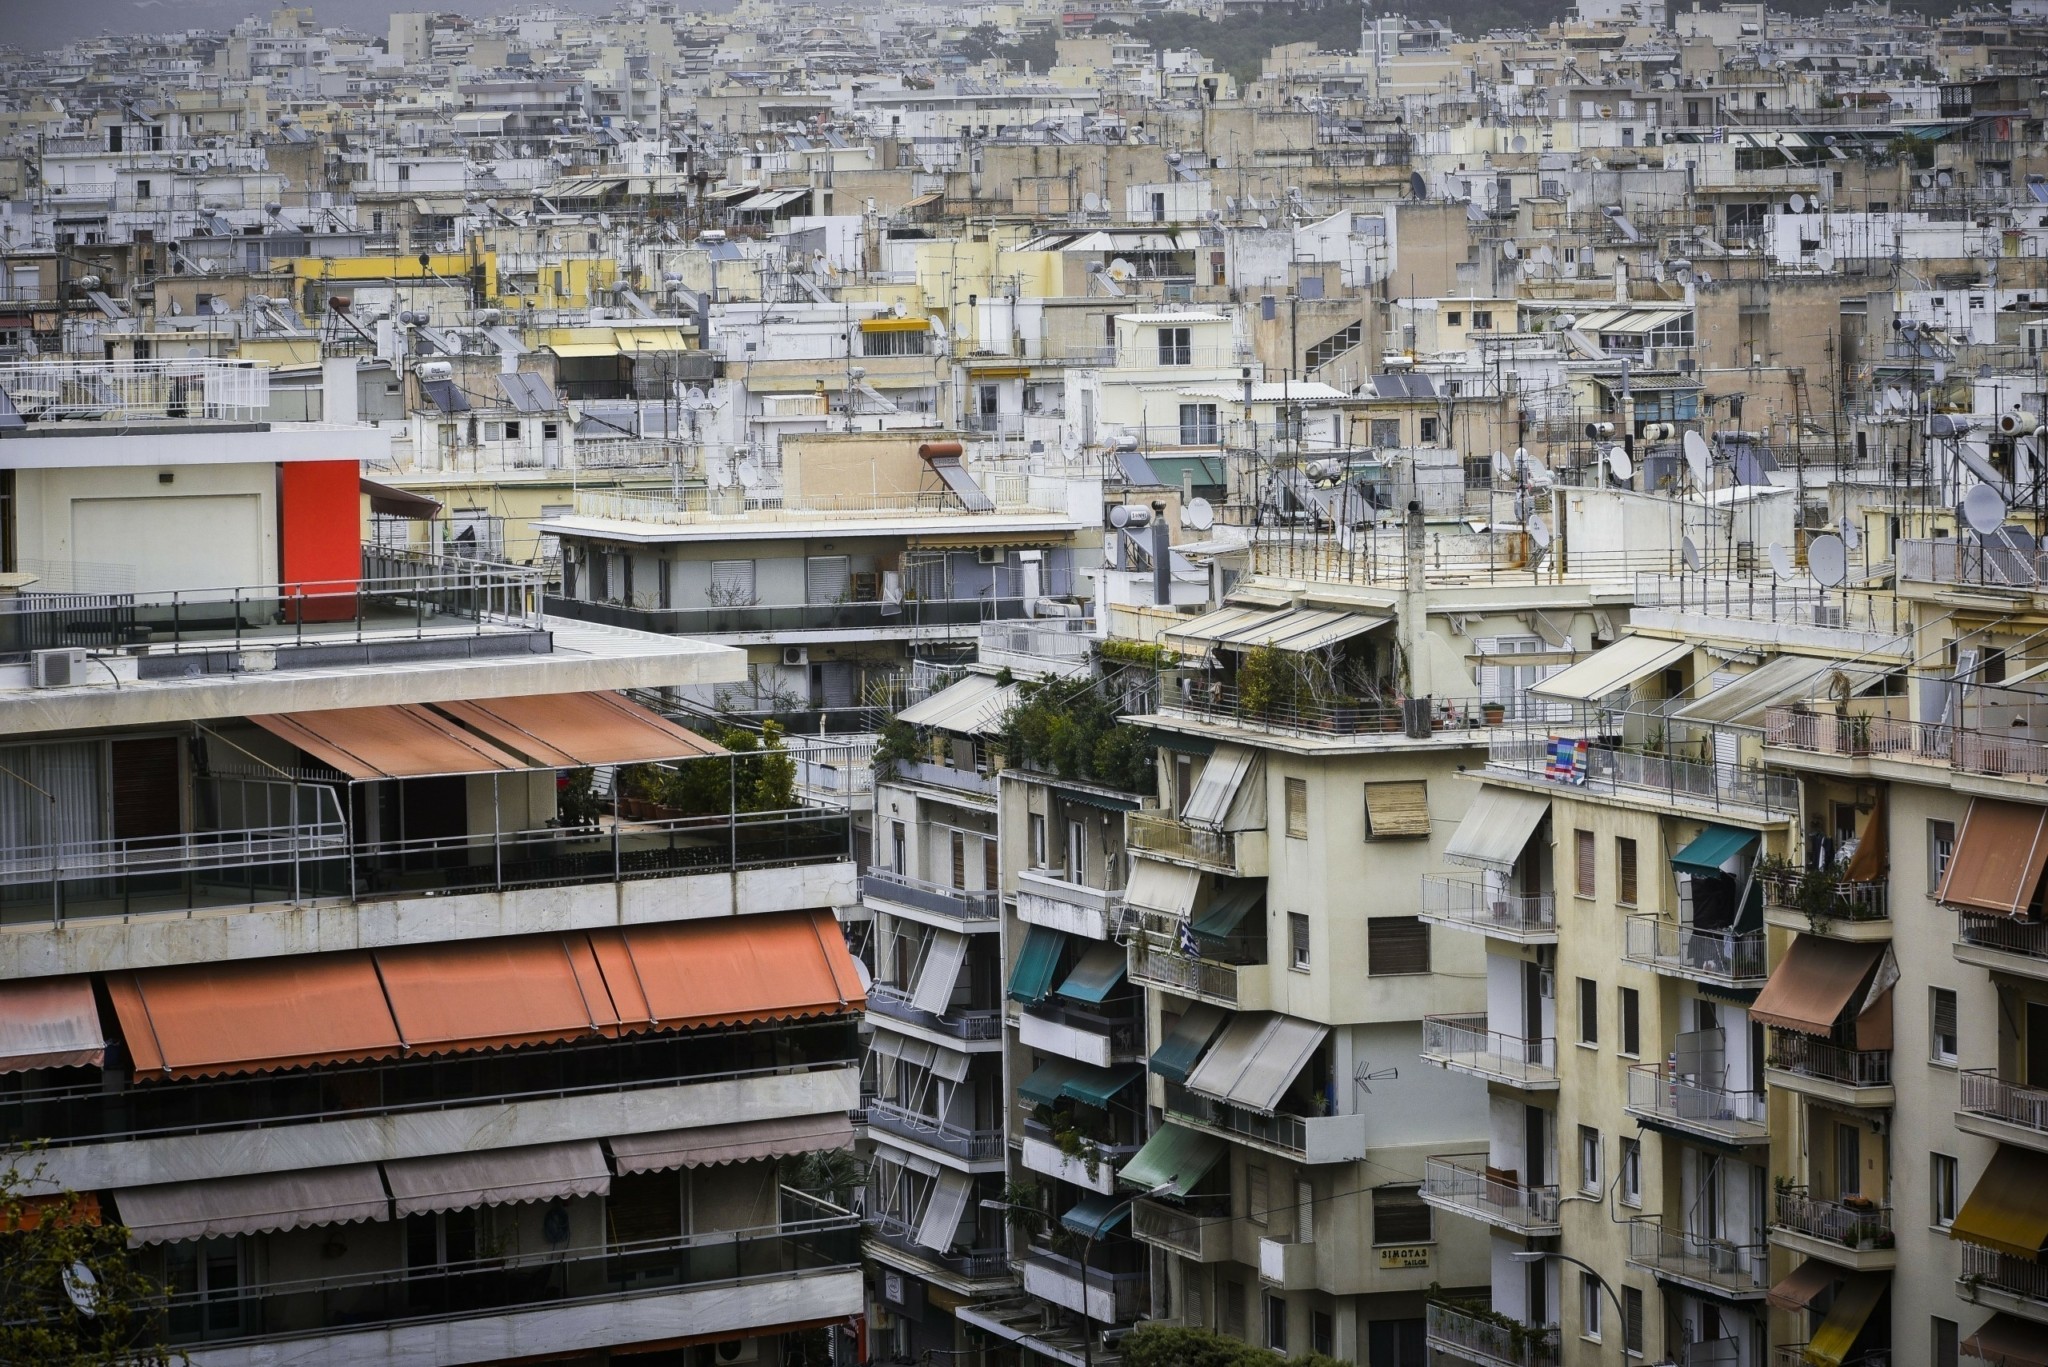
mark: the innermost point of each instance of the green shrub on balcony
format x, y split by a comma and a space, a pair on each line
1070, 728
1166, 1345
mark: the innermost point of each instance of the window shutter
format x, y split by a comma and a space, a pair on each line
1297, 808
1396, 944
827, 579
959, 860
1399, 1216
1397, 809
732, 581
1631, 1024
1625, 871
1584, 842
1297, 934
1944, 1022
1632, 1318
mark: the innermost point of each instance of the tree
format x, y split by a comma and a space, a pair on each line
979, 43
69, 1297
1164, 1345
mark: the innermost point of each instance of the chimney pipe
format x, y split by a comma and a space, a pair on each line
1417, 547
1162, 557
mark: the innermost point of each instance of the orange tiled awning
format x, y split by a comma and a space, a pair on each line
735, 970
563, 729
1998, 858
1814, 983
496, 994
254, 1015
399, 741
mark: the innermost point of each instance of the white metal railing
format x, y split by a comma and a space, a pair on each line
1952, 560
136, 391
1987, 1094
1010, 494
1727, 956
1463, 1181
1765, 598
1465, 1043
292, 822
1474, 904
1602, 769
1659, 1091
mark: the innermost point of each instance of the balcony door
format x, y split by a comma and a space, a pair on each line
2037, 1044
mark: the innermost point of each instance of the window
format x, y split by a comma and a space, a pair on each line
1591, 1307
1176, 346
1297, 938
1077, 850
1276, 1323
895, 342
732, 583
1386, 432
1941, 1016
1625, 871
1632, 1320
1590, 1176
1256, 1202
404, 174
512, 431
1038, 850
1941, 847
959, 861
1482, 319
1322, 1333
1945, 1348
1297, 809
1426, 432
142, 189
1454, 317
1233, 1309
1399, 1216
1944, 1184
1198, 424
1631, 1022
1631, 1183
1583, 843
207, 1275
1396, 945
1589, 1011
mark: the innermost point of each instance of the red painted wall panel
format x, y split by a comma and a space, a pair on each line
321, 536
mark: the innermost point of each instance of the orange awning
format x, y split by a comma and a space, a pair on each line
496, 994
560, 730
400, 741
1814, 983
1873, 852
1998, 858
49, 1023
254, 1015
2009, 1341
1807, 1281
65, 1209
735, 970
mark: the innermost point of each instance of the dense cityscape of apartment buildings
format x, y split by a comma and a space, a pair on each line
793, 688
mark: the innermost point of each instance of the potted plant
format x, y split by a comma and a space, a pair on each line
1494, 712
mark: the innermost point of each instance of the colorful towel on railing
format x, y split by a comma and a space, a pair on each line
1565, 760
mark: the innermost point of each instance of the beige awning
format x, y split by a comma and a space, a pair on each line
974, 706
1814, 983
1168, 889
709, 1146
1397, 808
1245, 628
1217, 786
1496, 828
1613, 669
497, 1177
1998, 858
942, 1212
49, 1023
1255, 1058
1782, 679
254, 1204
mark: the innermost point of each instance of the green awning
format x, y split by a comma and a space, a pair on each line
1096, 1216
1712, 848
1174, 1156
1184, 745
1092, 1086
1037, 961
1203, 470
1184, 1045
1228, 907
1108, 802
1047, 1080
1097, 975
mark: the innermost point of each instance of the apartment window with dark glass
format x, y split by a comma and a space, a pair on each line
1395, 945
1482, 319
1631, 1183
1589, 1011
1276, 1322
1946, 1187
1625, 871
1631, 1022
1632, 1320
1941, 1017
1322, 1332
1426, 431
1583, 884
1941, 847
1297, 809
1399, 1216
1944, 1347
1176, 346
1297, 939
1198, 425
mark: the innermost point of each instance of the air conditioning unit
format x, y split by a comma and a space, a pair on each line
1725, 1259
57, 668
988, 555
1546, 985
795, 656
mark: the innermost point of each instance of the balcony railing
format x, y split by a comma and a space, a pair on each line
1967, 562
1811, 1056
1466, 1044
1735, 958
1463, 1182
1198, 1227
1289, 1132
972, 782
1699, 1258
1656, 1093
1156, 832
957, 903
1307, 716
1472, 904
1631, 774
812, 1237
1965, 750
2003, 934
973, 1265
1056, 1277
1794, 1355
1825, 897
1154, 965
197, 389
2020, 1277
848, 616
963, 1024
958, 1140
1987, 1094
1766, 598
1474, 1338
1853, 1224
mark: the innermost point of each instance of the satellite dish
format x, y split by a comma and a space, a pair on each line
1120, 270
749, 475
1824, 259
1852, 537
1689, 553
1781, 560
1926, 181
1699, 457
1509, 251
1120, 515
1827, 559
1197, 515
1984, 509
1798, 204
1539, 530
1619, 465
82, 1287
1091, 202
1944, 179
693, 396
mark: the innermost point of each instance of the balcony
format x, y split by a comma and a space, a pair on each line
1999, 1281
1082, 1035
971, 1147
1223, 705
1899, 740
1093, 1168
1794, 1355
1820, 904
2002, 944
900, 1239
1713, 1265
1471, 904
953, 904
1656, 1095
2009, 1112
1198, 1230
1686, 785
1464, 1044
1287, 1264
1240, 987
1851, 1233
1829, 1072
1044, 899
1111, 1297
972, 1026
1307, 1139
552, 1302
1466, 1185
925, 618
1722, 958
131, 392
1158, 833
1489, 1340
1967, 563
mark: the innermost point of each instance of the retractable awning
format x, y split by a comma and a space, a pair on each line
1096, 975
940, 972
2008, 1208
1044, 1083
252, 1204
1157, 886
461, 995
1249, 628
1037, 962
1805, 1285
403, 740
1255, 1058
497, 1177
1496, 828
1611, 670
709, 1146
49, 1023
1231, 902
951, 1192
1183, 1045
1814, 984
1216, 787
919, 1053
1782, 679
1998, 858
1710, 851
254, 1015
1093, 1086
392, 502
570, 730
975, 706
1833, 1341
1094, 1216
736, 970
1174, 1155
2009, 1341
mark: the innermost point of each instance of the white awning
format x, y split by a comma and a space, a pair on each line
1216, 789
917, 1052
1783, 679
1255, 1058
974, 707
1613, 669
711, 1145
496, 1177
950, 1065
1165, 888
933, 990
1243, 628
49, 1023
253, 1204
950, 1194
1496, 827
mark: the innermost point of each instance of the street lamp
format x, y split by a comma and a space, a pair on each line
1534, 1255
1170, 1187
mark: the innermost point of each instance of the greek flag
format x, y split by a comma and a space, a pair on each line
1188, 948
